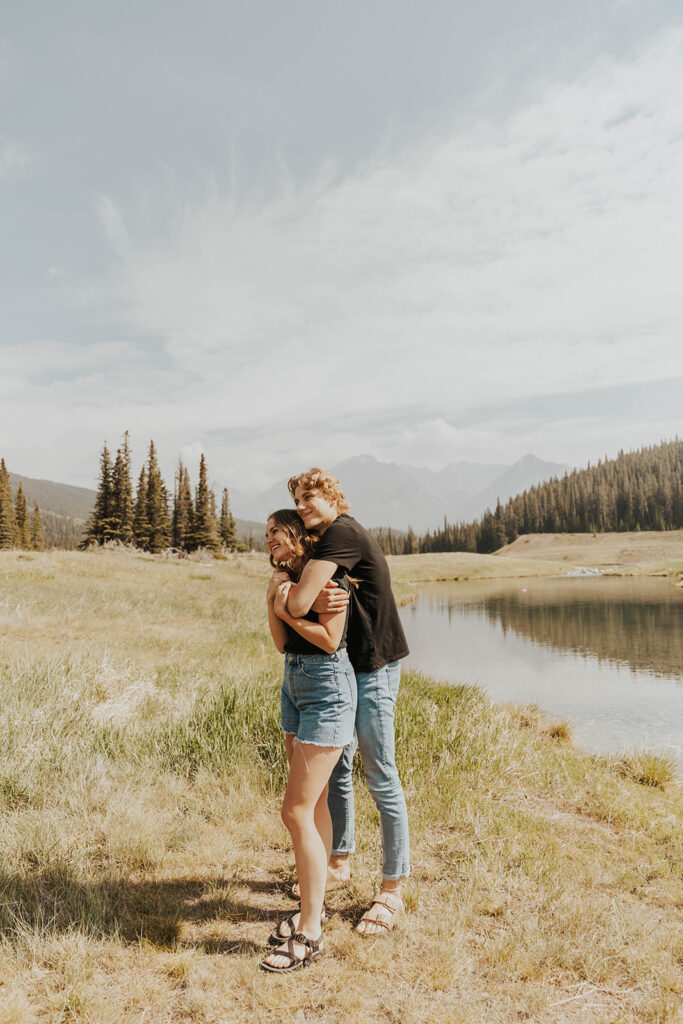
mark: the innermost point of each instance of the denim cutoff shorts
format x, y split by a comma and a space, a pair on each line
319, 698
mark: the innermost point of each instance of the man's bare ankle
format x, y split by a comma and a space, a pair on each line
340, 865
391, 885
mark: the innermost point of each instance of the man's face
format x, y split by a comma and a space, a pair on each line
315, 510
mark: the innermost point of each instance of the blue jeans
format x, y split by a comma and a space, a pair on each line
377, 693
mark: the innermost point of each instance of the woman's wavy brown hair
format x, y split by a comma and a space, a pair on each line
300, 541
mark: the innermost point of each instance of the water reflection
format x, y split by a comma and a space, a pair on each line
605, 653
625, 622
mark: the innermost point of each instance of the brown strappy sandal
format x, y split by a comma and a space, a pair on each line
313, 951
276, 938
391, 904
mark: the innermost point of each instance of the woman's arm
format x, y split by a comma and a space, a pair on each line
277, 626
326, 633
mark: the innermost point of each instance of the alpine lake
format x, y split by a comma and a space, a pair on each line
603, 653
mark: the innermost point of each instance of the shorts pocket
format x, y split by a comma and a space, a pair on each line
320, 671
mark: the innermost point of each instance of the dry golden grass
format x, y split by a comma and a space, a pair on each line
646, 551
142, 860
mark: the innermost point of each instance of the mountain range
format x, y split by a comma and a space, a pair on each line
400, 495
380, 494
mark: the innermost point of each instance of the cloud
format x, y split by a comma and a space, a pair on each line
367, 313
14, 157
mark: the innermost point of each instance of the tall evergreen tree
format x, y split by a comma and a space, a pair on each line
226, 525
410, 545
101, 525
37, 535
205, 533
157, 505
183, 511
140, 518
23, 530
215, 525
122, 494
8, 524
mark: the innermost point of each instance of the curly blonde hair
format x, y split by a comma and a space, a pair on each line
299, 541
321, 480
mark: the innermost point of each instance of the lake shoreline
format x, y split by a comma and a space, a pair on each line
522, 560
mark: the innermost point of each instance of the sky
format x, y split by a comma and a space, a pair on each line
288, 234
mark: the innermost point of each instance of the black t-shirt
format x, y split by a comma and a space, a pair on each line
296, 644
375, 634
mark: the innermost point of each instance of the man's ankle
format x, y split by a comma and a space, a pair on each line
391, 885
340, 862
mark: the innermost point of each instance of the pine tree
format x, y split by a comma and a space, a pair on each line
410, 545
205, 533
37, 535
157, 505
140, 518
23, 532
183, 512
101, 525
227, 528
122, 494
215, 525
8, 525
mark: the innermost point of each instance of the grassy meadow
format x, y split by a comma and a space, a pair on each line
637, 553
143, 861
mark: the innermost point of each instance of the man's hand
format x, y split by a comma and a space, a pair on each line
330, 599
281, 594
274, 582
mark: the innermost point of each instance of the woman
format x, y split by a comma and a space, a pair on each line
318, 714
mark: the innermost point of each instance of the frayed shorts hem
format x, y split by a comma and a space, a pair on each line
314, 743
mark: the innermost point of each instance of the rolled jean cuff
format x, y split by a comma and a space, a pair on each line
343, 853
395, 878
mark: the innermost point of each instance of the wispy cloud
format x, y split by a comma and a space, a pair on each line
370, 312
14, 157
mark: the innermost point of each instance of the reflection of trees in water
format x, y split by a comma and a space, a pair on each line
643, 633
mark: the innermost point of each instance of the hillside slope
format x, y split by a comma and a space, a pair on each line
598, 549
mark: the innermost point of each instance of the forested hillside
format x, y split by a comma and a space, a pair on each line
640, 490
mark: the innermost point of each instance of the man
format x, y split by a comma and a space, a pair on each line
375, 642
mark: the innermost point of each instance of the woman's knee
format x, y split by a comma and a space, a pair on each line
295, 816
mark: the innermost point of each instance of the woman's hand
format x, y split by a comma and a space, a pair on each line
274, 582
281, 595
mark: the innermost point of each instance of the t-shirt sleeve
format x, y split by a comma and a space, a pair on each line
339, 544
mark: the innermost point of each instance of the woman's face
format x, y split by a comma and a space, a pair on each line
277, 541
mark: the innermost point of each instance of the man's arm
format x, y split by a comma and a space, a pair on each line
302, 594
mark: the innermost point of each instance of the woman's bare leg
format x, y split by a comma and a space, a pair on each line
311, 830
